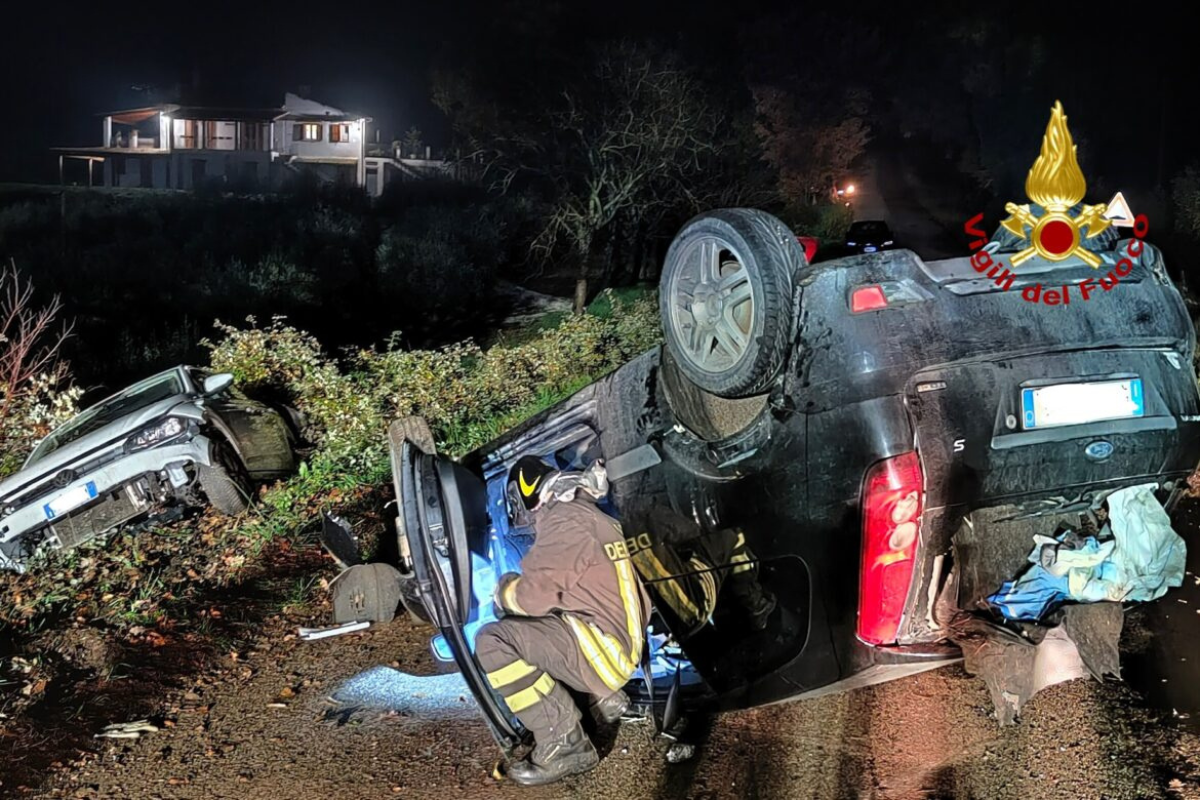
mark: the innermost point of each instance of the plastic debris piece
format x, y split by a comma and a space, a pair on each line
311, 634
127, 730
680, 752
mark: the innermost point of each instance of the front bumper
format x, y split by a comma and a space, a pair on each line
122, 492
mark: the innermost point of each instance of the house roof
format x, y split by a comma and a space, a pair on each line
320, 117
300, 108
294, 108
241, 114
132, 116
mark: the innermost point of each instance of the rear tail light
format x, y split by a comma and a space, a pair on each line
893, 499
867, 298
888, 294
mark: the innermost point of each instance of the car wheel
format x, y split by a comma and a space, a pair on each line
726, 299
224, 481
707, 416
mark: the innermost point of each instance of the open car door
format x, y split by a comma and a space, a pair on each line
442, 518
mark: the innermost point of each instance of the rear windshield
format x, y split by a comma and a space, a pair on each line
133, 399
868, 227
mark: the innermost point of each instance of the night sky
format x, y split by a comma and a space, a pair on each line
1127, 73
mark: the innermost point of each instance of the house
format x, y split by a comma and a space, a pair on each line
173, 146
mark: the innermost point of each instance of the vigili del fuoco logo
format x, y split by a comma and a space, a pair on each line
1057, 226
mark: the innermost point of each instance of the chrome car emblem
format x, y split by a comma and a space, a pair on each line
64, 478
1098, 451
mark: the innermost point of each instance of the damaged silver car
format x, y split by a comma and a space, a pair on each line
184, 437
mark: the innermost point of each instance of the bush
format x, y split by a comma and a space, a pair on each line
35, 393
46, 402
131, 267
464, 392
438, 260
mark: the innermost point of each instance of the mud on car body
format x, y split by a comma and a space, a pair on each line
843, 460
182, 436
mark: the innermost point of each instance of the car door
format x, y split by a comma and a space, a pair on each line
442, 520
452, 549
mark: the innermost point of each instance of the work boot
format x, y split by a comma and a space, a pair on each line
556, 758
608, 710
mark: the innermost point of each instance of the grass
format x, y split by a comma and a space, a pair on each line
298, 594
602, 306
460, 440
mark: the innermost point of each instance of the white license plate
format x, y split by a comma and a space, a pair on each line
1079, 403
68, 501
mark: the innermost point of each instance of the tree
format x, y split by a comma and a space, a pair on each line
619, 143
809, 154
413, 143
29, 348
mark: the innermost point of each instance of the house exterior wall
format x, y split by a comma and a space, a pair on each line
250, 154
244, 168
330, 173
159, 170
220, 135
286, 143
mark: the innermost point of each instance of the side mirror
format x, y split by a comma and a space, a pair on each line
215, 384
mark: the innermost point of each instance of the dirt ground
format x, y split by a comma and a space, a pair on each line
247, 711
261, 726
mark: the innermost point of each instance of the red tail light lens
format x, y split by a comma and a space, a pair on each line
867, 298
893, 499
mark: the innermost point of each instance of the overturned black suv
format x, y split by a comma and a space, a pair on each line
823, 458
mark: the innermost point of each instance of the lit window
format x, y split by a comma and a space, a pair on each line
310, 131
339, 132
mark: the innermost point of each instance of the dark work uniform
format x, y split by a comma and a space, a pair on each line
577, 614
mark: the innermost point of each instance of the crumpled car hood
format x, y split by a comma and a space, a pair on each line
115, 432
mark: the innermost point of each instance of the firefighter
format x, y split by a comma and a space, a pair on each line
575, 617
689, 567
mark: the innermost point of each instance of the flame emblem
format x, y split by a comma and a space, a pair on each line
1056, 183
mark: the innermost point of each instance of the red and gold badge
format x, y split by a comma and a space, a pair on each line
1056, 184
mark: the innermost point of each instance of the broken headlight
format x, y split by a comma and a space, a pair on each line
164, 430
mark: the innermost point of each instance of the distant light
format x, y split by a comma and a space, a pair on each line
850, 189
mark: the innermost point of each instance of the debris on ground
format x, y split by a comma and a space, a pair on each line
312, 634
127, 730
1136, 556
366, 592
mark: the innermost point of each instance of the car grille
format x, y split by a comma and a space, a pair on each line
48, 484
85, 524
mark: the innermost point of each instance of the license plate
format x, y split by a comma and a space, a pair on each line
1079, 403
870, 249
68, 501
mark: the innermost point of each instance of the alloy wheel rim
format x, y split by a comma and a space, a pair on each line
712, 305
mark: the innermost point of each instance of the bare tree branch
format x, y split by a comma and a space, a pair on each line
28, 348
